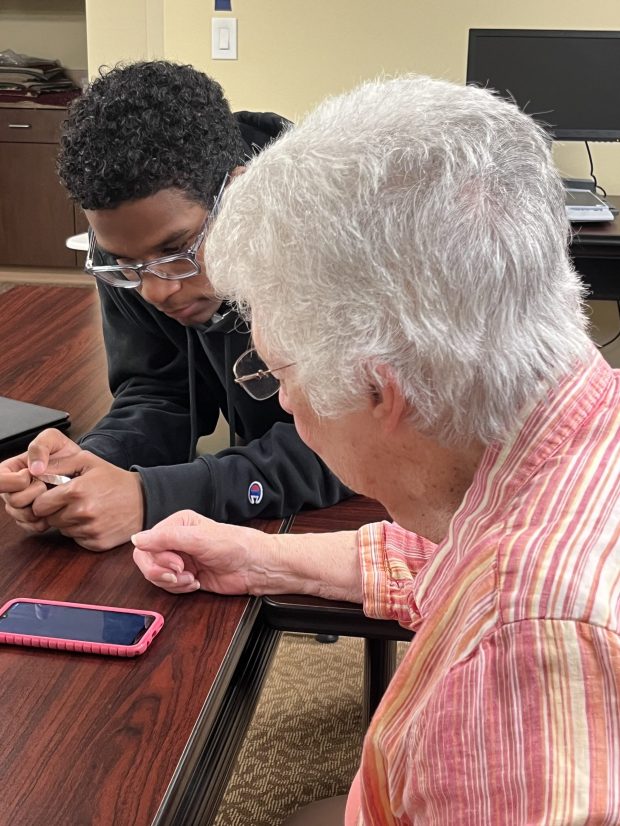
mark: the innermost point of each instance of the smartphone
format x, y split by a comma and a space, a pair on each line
71, 626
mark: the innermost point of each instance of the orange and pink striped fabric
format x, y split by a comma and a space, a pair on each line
506, 708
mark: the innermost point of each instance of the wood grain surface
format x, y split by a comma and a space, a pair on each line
90, 740
52, 351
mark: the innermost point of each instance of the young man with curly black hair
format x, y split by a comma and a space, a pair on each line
146, 151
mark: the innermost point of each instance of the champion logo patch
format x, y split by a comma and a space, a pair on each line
255, 493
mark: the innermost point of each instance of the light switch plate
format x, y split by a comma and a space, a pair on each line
220, 27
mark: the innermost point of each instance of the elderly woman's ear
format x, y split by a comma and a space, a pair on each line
389, 406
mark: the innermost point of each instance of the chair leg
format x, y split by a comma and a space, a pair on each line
379, 667
326, 638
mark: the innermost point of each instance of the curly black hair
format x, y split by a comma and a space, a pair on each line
145, 127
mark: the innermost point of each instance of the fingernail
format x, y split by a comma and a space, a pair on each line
37, 467
176, 568
169, 578
185, 579
196, 585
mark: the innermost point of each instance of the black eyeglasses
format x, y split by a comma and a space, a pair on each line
254, 376
174, 267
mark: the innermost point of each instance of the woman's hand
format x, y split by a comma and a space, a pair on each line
187, 551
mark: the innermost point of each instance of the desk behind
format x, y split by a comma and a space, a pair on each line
595, 249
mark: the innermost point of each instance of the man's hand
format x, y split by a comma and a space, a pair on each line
19, 487
100, 508
19, 490
186, 551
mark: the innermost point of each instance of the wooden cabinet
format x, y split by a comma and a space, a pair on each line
36, 215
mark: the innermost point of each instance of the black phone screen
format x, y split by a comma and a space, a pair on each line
63, 622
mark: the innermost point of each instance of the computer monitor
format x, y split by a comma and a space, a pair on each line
567, 80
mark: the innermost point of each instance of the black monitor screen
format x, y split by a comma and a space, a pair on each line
567, 80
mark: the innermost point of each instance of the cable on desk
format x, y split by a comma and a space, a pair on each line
592, 175
614, 338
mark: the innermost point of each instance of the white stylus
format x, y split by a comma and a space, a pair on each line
53, 478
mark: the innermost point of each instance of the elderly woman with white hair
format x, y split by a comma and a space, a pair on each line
403, 254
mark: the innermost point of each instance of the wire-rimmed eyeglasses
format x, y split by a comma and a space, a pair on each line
174, 267
255, 377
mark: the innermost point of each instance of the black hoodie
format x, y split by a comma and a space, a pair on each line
156, 364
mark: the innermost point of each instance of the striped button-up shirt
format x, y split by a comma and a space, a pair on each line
506, 708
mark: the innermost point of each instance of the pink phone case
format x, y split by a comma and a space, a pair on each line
80, 645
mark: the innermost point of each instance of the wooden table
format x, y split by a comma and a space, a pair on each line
113, 742
108, 741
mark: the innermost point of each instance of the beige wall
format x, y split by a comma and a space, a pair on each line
45, 28
294, 52
124, 30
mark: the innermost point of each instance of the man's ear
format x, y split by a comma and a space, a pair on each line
389, 406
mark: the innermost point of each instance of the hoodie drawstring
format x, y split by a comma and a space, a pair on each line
230, 405
232, 422
191, 372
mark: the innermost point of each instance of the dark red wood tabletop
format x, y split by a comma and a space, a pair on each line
89, 739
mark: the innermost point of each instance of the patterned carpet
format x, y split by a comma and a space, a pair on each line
306, 737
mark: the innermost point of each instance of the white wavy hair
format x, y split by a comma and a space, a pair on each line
416, 224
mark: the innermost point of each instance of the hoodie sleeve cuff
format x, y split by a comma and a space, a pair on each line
171, 488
